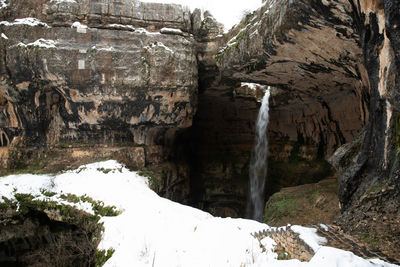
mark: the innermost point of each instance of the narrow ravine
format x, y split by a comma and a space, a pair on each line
258, 165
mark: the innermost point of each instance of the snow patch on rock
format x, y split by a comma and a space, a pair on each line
253, 86
43, 43
26, 21
80, 28
62, 1
144, 31
309, 235
171, 31
159, 44
121, 27
3, 4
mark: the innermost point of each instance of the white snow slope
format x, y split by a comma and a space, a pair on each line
153, 231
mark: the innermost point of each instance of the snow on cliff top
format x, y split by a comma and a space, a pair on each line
25, 21
153, 231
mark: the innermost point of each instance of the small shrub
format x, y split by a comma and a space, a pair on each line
98, 206
102, 256
47, 193
151, 176
284, 256
103, 170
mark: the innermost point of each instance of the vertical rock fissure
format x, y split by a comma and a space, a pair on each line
258, 165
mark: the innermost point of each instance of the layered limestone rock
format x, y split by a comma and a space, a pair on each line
310, 51
97, 74
77, 77
104, 14
338, 62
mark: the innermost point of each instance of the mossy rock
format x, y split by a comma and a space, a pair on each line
304, 204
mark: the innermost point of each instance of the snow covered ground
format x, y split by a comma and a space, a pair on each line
153, 231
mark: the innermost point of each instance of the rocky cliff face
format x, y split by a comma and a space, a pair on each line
310, 50
369, 185
98, 74
105, 82
99, 79
341, 60
161, 89
310, 53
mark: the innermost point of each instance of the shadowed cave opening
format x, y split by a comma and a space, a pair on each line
303, 133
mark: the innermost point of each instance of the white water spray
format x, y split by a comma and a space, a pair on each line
258, 164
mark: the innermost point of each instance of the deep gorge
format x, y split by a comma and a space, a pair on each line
164, 91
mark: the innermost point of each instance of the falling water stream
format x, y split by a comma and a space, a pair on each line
258, 164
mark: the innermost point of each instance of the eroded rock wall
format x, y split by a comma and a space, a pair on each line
369, 184
310, 50
337, 63
100, 74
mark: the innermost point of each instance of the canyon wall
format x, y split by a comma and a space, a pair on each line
341, 60
310, 54
369, 186
144, 83
118, 78
159, 88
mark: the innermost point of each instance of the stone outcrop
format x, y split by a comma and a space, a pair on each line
48, 234
104, 14
369, 184
318, 100
310, 50
377, 155
104, 83
289, 245
342, 57
87, 75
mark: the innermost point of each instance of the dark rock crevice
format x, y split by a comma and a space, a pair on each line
34, 238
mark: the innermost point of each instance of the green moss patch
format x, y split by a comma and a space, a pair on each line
281, 206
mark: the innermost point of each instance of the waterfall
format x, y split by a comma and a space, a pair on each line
258, 164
